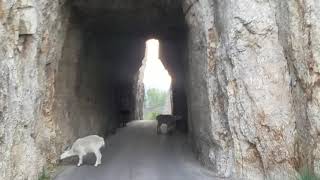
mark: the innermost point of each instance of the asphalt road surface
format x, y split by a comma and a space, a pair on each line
136, 152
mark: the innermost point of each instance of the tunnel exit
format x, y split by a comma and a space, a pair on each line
157, 83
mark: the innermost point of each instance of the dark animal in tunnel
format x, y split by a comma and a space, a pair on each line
124, 117
168, 120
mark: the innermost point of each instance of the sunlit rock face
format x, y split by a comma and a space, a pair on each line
32, 35
256, 64
245, 76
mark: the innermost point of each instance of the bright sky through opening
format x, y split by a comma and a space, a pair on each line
155, 75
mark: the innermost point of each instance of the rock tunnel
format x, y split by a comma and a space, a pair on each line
103, 60
245, 78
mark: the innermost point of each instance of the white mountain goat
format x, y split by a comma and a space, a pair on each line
85, 145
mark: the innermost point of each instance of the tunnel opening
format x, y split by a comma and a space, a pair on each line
99, 85
157, 83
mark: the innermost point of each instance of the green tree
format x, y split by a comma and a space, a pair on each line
154, 102
155, 97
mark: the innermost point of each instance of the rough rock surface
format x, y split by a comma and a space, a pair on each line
38, 113
261, 60
32, 35
138, 91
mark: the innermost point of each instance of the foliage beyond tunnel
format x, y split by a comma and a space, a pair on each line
156, 102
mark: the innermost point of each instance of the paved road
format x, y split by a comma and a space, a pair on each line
138, 153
